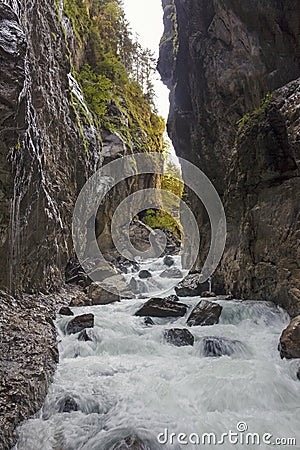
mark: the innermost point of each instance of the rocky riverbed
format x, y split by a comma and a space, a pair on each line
126, 381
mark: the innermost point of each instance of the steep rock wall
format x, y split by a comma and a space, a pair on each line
42, 146
51, 142
226, 57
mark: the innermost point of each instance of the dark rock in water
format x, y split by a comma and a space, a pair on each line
289, 344
207, 294
205, 313
126, 265
100, 296
190, 286
137, 286
148, 321
65, 311
219, 346
161, 307
179, 337
171, 273
130, 443
145, 274
168, 261
84, 336
68, 404
172, 298
298, 374
79, 323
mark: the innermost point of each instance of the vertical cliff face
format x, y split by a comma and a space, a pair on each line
228, 56
57, 127
41, 146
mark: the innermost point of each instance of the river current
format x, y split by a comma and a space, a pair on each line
129, 381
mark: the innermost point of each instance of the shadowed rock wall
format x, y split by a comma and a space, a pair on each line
220, 59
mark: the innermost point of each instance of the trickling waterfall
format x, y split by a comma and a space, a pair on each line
127, 381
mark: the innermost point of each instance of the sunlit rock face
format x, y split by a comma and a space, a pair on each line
227, 56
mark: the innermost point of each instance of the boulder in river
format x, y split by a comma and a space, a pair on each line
68, 404
100, 296
84, 336
289, 344
79, 323
205, 313
207, 294
144, 274
65, 311
172, 272
172, 298
148, 321
190, 286
179, 337
162, 307
168, 261
298, 374
219, 346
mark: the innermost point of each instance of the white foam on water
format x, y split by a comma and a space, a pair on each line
129, 380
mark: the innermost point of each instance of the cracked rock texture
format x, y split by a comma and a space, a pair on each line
220, 59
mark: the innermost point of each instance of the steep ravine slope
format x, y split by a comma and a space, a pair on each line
222, 60
51, 141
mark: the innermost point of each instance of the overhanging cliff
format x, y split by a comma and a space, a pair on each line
221, 61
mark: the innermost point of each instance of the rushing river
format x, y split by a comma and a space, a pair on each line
128, 380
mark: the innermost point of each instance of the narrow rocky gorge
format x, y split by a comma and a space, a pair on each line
52, 141
94, 370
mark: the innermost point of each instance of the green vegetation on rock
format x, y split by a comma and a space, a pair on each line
114, 73
254, 115
171, 182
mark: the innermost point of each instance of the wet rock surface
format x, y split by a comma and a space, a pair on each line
162, 307
148, 321
84, 336
190, 286
168, 261
289, 344
100, 296
65, 311
79, 323
213, 346
144, 274
205, 313
171, 273
207, 294
67, 404
179, 337
246, 143
28, 357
